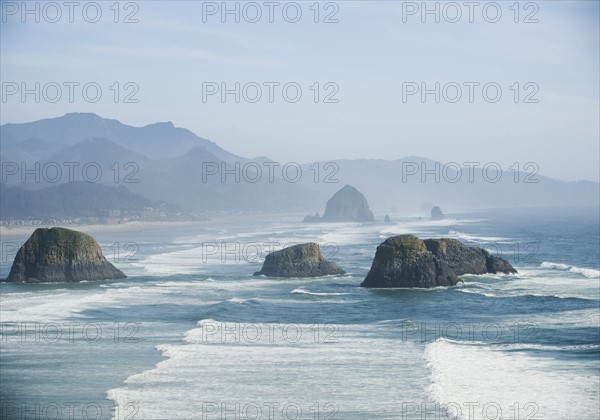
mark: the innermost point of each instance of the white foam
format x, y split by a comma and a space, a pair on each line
586, 272
482, 240
301, 291
237, 300
197, 373
470, 373
532, 282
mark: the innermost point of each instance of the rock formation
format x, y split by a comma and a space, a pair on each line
387, 219
436, 213
312, 219
404, 261
61, 255
407, 261
304, 260
347, 205
467, 260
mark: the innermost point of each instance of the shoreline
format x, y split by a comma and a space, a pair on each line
104, 228
136, 225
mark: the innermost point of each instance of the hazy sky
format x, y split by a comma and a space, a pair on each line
366, 60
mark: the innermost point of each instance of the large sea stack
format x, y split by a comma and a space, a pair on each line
407, 261
436, 213
304, 260
61, 255
346, 205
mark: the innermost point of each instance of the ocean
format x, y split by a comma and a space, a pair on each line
192, 334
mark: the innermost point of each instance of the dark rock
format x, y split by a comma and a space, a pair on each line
407, 261
436, 213
304, 260
312, 219
61, 255
404, 261
496, 265
467, 260
461, 258
348, 205
387, 219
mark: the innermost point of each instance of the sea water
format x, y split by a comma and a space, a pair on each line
192, 334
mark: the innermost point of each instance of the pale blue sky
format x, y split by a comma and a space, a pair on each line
369, 53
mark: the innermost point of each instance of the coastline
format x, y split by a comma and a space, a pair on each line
105, 228
137, 225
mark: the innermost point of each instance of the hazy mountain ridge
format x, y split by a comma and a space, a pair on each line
163, 162
159, 140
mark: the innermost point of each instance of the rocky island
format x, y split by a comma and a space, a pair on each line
303, 260
407, 261
346, 205
61, 255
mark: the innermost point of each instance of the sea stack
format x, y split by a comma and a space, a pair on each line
312, 219
407, 261
404, 261
61, 255
303, 260
436, 213
346, 205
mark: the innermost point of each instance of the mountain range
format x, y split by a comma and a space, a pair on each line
163, 162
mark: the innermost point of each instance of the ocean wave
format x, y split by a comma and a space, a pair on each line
237, 300
301, 291
199, 370
481, 240
586, 272
520, 377
479, 292
523, 346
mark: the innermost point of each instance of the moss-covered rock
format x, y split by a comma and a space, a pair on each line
404, 261
61, 255
303, 260
407, 261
